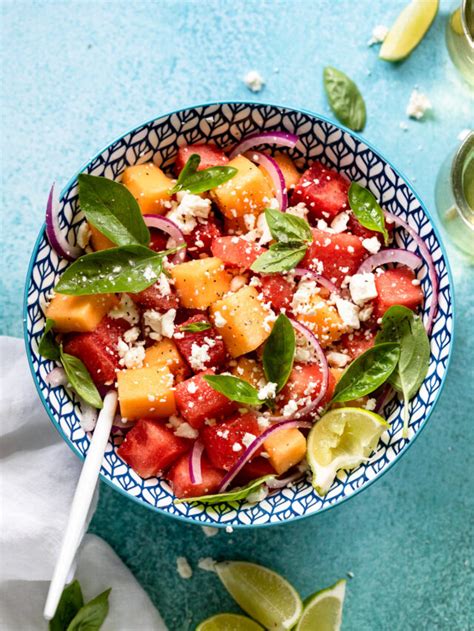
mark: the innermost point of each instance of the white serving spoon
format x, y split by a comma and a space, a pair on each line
81, 503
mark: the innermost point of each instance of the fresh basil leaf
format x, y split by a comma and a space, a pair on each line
367, 373
287, 228
112, 209
403, 326
279, 352
48, 347
280, 257
230, 496
80, 379
92, 615
196, 327
367, 210
194, 181
70, 603
344, 98
130, 268
234, 389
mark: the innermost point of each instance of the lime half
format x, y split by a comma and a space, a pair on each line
262, 593
409, 29
342, 439
229, 622
323, 610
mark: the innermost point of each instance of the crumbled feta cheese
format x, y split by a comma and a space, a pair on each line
192, 387
263, 422
149, 273
199, 356
249, 221
463, 134
219, 319
418, 104
304, 351
189, 208
237, 283
379, 33
365, 313
163, 285
160, 324
83, 235
210, 531
131, 335
349, 313
125, 310
131, 356
236, 447
268, 391
403, 126
229, 529
370, 405
299, 210
183, 567
339, 223
362, 288
290, 408
184, 430
337, 360
254, 81
302, 303
207, 563
248, 439
372, 245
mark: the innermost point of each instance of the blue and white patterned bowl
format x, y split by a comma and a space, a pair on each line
224, 124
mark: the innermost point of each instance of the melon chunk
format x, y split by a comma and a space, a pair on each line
289, 170
246, 321
201, 282
98, 240
150, 187
249, 370
248, 192
285, 448
323, 319
79, 314
165, 353
146, 392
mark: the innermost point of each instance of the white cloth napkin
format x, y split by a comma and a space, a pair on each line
38, 475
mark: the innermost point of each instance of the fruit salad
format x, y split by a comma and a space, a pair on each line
253, 314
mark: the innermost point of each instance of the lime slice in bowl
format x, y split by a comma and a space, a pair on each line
342, 439
262, 593
323, 610
409, 29
229, 622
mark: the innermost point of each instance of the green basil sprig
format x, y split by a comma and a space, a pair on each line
129, 268
112, 209
194, 181
196, 327
80, 379
344, 98
403, 326
234, 389
231, 496
367, 372
293, 235
73, 615
367, 210
279, 352
48, 346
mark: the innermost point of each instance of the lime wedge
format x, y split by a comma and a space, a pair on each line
229, 622
341, 439
409, 29
323, 610
261, 593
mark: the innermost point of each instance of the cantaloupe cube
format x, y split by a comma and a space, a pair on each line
150, 187
246, 321
146, 392
323, 319
99, 241
285, 448
248, 192
290, 172
79, 314
248, 370
165, 353
201, 282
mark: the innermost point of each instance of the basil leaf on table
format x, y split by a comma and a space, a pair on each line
48, 347
344, 98
195, 327
234, 389
280, 257
367, 210
403, 326
129, 268
80, 379
92, 615
70, 603
279, 352
112, 209
287, 228
194, 181
230, 496
367, 372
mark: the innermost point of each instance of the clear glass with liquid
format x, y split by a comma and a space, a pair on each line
460, 38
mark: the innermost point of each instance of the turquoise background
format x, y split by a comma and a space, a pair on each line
76, 75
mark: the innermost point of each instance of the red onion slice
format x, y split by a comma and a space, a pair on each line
255, 445
169, 227
195, 459
392, 255
427, 258
280, 138
58, 241
271, 166
57, 377
279, 483
382, 399
321, 280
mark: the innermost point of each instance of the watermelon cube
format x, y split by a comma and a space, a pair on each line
210, 155
397, 286
153, 298
199, 241
225, 442
150, 448
359, 230
236, 251
180, 479
304, 385
323, 191
357, 342
158, 240
256, 468
197, 402
278, 291
215, 353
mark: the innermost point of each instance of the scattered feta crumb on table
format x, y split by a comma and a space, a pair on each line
254, 81
418, 105
208, 564
183, 568
379, 33
210, 531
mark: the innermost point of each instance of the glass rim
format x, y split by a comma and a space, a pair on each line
457, 179
464, 22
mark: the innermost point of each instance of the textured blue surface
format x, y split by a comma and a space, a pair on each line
76, 75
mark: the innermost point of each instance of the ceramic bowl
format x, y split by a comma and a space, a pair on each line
224, 124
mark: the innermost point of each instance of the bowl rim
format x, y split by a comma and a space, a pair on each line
293, 518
